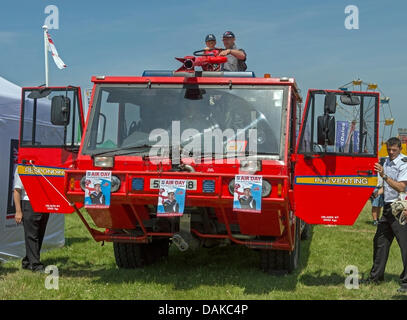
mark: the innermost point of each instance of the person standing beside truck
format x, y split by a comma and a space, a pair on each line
34, 225
394, 175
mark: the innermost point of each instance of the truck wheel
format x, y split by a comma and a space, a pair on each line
280, 261
306, 232
294, 256
129, 255
138, 255
157, 249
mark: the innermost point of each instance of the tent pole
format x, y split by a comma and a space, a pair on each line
45, 28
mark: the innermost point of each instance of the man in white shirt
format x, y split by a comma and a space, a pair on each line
394, 175
34, 226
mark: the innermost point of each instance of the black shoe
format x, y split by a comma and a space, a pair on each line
369, 281
39, 269
26, 267
402, 290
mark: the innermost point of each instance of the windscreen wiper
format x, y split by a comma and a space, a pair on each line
217, 156
135, 149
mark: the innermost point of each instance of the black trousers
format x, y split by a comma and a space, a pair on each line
388, 228
34, 230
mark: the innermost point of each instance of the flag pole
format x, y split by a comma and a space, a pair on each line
45, 28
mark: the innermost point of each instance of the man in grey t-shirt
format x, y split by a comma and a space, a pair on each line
236, 57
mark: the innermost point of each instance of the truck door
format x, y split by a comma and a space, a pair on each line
335, 156
51, 129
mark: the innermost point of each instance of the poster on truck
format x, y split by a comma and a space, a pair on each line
97, 189
171, 198
247, 193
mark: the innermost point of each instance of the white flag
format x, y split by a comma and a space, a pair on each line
51, 47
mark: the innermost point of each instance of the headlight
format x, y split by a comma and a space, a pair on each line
232, 186
104, 162
265, 188
114, 186
83, 183
250, 166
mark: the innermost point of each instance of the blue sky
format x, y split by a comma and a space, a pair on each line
306, 40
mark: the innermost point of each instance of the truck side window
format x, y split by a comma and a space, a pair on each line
354, 129
37, 129
107, 130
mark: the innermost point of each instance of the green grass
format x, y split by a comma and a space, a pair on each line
88, 271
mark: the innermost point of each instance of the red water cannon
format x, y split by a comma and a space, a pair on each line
209, 60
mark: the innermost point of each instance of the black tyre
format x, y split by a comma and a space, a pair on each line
294, 256
156, 250
280, 261
306, 231
136, 255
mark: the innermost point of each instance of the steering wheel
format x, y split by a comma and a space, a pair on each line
209, 53
317, 148
133, 127
201, 53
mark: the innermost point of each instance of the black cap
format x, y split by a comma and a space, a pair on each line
228, 34
210, 37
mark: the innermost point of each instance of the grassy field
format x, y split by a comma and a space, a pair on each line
88, 271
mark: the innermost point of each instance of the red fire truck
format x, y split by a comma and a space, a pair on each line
315, 162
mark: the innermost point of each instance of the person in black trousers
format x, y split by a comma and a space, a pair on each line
34, 227
394, 174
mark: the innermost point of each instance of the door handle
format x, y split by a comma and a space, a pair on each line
365, 172
27, 162
309, 156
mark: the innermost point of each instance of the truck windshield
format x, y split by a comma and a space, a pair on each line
204, 119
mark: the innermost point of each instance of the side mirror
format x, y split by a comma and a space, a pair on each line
39, 94
60, 110
350, 100
326, 130
330, 103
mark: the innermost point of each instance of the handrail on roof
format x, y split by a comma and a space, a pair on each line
220, 74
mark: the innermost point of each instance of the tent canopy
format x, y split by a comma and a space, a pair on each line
10, 97
8, 88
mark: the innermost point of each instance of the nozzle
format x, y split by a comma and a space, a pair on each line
188, 64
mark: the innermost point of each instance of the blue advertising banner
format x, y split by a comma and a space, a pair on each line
356, 141
342, 128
